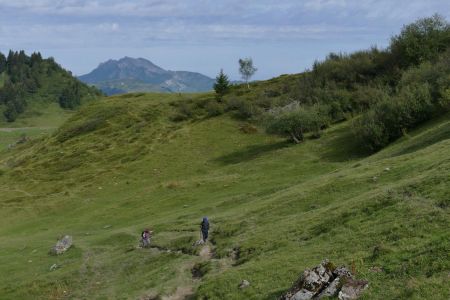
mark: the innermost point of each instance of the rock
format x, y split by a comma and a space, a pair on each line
352, 289
342, 272
311, 282
376, 269
331, 290
62, 245
107, 226
53, 267
303, 295
387, 169
244, 284
325, 281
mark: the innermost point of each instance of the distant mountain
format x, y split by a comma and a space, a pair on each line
141, 75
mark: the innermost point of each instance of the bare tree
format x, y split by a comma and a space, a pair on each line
246, 69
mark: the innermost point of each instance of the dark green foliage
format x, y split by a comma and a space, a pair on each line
70, 97
213, 108
2, 63
423, 93
222, 85
37, 79
421, 41
13, 97
299, 121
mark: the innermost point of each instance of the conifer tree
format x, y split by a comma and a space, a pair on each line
221, 85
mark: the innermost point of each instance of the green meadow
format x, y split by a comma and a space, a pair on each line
123, 163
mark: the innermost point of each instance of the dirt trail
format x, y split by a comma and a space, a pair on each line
182, 293
206, 252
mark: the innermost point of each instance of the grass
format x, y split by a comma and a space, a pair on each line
121, 164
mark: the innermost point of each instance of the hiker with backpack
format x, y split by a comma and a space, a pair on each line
146, 236
204, 228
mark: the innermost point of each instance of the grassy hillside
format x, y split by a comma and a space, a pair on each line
121, 164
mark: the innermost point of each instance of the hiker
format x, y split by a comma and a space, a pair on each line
204, 227
146, 235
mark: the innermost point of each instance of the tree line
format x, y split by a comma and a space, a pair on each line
26, 78
385, 92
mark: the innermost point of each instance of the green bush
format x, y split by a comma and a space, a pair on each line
389, 119
296, 123
213, 108
423, 92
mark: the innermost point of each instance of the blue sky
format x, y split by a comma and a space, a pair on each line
283, 36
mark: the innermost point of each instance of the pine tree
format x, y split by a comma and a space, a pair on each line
2, 63
221, 85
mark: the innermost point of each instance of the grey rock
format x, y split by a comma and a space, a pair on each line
331, 290
303, 295
62, 245
311, 282
376, 269
352, 289
342, 272
326, 280
244, 284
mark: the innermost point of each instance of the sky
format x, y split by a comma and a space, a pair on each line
281, 36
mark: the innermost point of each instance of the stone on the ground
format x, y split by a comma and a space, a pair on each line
331, 290
53, 267
62, 245
352, 289
325, 280
244, 283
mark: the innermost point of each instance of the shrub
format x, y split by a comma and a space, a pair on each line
389, 119
184, 112
421, 41
296, 123
214, 109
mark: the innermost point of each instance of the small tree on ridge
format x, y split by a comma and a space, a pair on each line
246, 69
221, 85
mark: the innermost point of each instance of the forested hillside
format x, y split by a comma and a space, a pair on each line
25, 79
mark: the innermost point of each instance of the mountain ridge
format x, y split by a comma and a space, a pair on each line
141, 75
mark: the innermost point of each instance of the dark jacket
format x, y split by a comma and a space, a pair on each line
204, 225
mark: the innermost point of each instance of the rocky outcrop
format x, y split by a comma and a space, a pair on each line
326, 280
244, 284
62, 245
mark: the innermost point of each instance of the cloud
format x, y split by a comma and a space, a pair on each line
88, 24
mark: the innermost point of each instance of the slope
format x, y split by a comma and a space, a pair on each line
121, 164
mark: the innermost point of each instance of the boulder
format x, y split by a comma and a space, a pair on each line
352, 289
244, 283
311, 282
62, 245
323, 281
